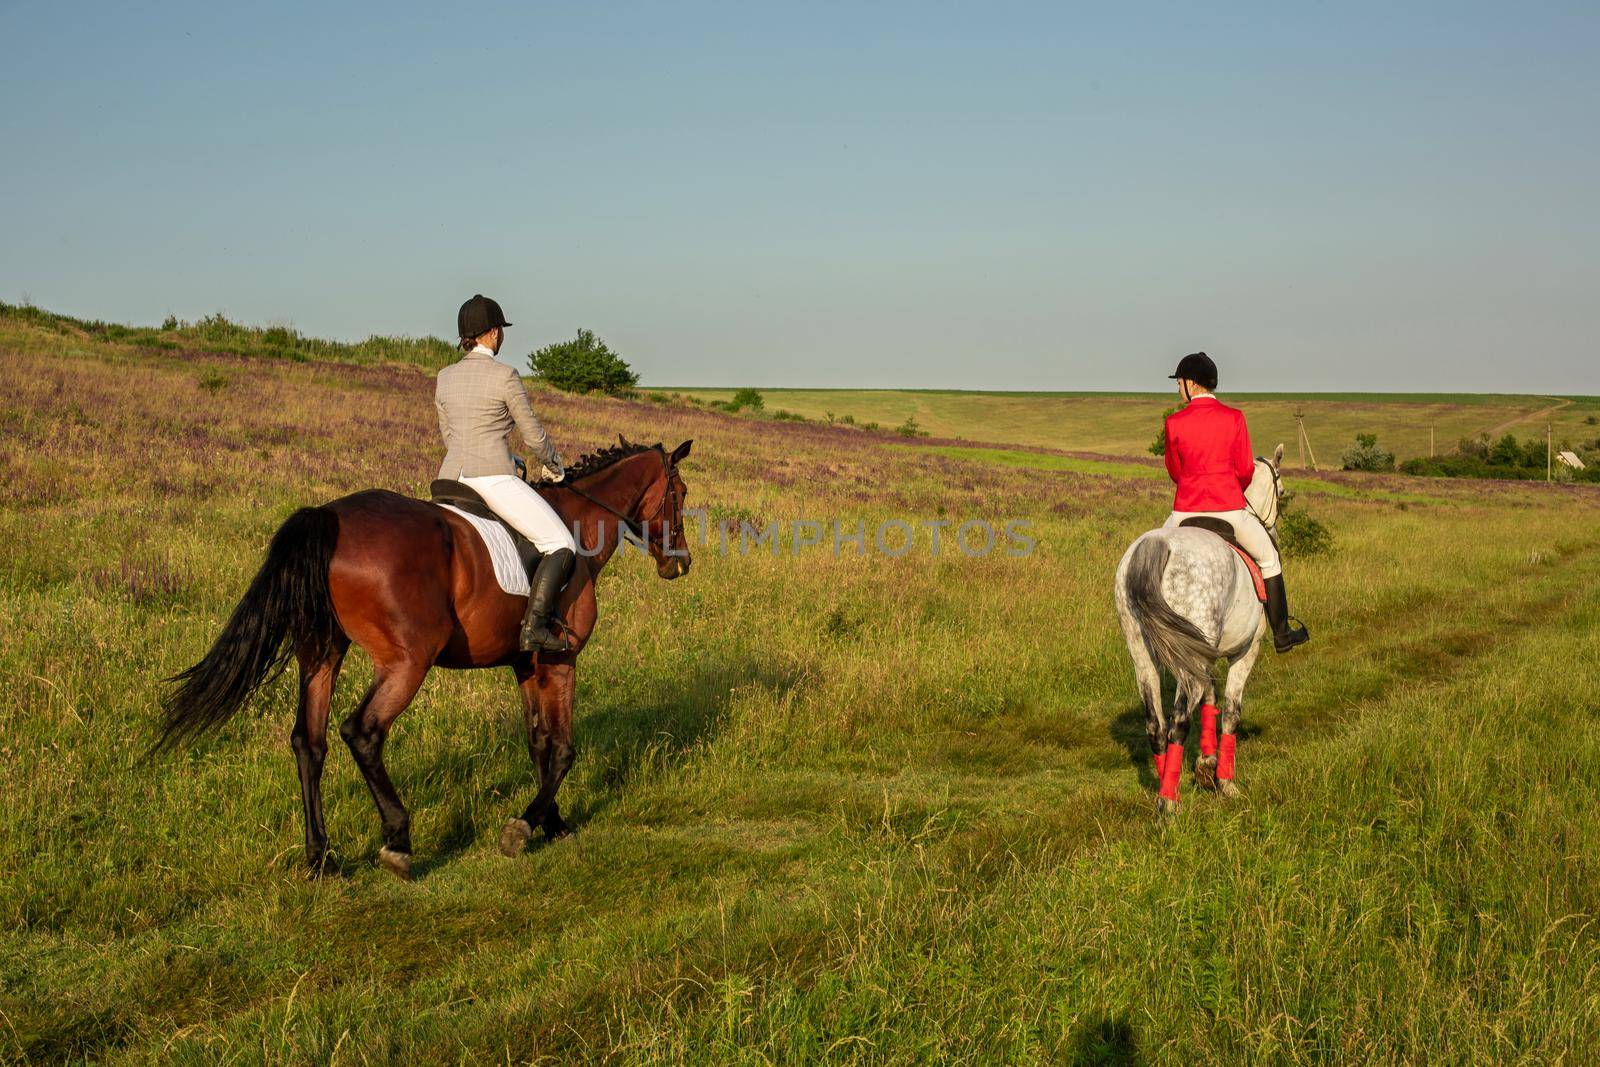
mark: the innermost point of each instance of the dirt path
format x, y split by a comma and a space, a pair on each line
1501, 428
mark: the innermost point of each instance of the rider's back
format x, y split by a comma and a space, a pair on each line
475, 416
1208, 455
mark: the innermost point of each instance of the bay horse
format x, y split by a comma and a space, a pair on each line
413, 585
1185, 600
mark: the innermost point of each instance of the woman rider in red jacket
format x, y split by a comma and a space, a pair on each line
1208, 455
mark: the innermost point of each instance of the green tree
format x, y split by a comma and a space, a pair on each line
1158, 447
583, 365
1506, 452
748, 398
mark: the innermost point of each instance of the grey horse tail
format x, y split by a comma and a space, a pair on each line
1176, 643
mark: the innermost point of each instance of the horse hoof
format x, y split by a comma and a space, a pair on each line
1205, 772
555, 830
515, 836
396, 863
1166, 807
1227, 789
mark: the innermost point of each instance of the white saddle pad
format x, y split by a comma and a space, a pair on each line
508, 569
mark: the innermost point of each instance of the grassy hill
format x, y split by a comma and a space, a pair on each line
1126, 423
24, 328
853, 807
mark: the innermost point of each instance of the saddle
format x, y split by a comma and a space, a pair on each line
458, 495
1225, 531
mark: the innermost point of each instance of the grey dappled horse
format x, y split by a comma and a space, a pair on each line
1186, 600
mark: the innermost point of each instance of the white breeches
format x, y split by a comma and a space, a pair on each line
1247, 530
514, 500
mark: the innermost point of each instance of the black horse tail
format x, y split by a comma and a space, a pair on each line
1177, 643
286, 610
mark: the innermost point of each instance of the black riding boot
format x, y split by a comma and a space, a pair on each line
546, 582
1287, 632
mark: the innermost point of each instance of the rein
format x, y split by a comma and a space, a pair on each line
636, 528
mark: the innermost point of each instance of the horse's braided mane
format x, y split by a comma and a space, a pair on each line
599, 460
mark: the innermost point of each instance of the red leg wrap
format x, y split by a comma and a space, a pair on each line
1208, 730
1171, 770
1225, 760
1157, 759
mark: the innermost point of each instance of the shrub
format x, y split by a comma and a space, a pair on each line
1459, 466
747, 398
585, 364
279, 337
789, 416
909, 428
1299, 534
847, 420
1365, 455
1591, 420
1158, 447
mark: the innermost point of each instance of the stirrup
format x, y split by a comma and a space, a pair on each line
547, 637
1294, 635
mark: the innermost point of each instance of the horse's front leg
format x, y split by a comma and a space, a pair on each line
547, 691
1205, 767
1232, 708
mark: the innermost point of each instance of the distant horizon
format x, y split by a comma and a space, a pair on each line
520, 363
1221, 393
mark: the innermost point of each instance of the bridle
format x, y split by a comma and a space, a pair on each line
638, 529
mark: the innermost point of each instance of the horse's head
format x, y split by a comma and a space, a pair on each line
660, 515
1266, 491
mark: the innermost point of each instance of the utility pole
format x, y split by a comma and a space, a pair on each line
1549, 467
1299, 434
1430, 440
1304, 440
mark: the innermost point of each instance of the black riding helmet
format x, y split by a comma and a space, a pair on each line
478, 316
1198, 368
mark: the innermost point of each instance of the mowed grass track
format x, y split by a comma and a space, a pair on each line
1126, 423
854, 808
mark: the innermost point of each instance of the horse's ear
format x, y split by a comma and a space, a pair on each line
681, 451
1277, 456
623, 441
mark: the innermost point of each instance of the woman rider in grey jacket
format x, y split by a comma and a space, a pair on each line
479, 400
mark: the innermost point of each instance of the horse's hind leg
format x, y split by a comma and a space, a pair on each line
1155, 721
1232, 708
1189, 693
309, 740
1148, 678
365, 731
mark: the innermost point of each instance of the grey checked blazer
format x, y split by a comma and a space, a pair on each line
479, 400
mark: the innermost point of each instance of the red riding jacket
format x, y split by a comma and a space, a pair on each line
1208, 455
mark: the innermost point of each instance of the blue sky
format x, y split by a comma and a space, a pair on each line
1019, 196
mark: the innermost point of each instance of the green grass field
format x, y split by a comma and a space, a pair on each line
853, 808
1126, 423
